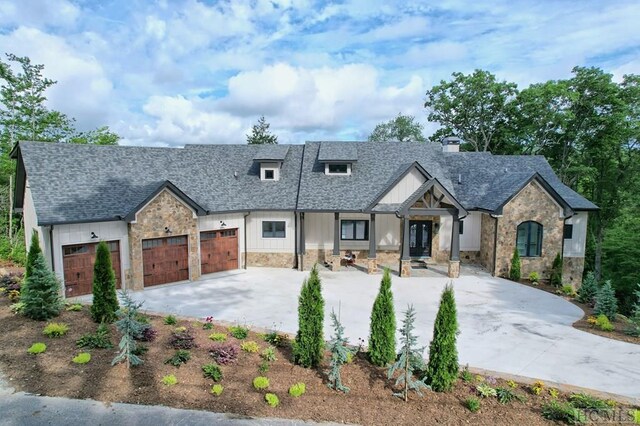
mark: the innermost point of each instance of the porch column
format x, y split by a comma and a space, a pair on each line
405, 259
372, 265
454, 257
302, 247
335, 261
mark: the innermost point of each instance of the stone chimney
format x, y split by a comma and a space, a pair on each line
451, 144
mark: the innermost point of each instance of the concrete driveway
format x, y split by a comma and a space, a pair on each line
505, 327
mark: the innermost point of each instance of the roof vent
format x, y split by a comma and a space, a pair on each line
459, 178
235, 174
451, 144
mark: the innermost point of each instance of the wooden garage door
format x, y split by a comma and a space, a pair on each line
219, 250
78, 260
165, 260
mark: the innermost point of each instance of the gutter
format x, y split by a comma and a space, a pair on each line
53, 264
244, 218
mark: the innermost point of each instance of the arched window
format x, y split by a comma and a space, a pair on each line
529, 239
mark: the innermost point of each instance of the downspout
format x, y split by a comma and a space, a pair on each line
295, 240
495, 246
295, 211
53, 264
245, 239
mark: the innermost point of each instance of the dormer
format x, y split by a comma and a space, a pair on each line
270, 159
337, 157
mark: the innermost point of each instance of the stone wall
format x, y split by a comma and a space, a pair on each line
470, 257
572, 270
163, 211
273, 260
532, 203
487, 242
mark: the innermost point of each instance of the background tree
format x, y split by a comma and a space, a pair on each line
442, 369
105, 300
403, 128
382, 339
260, 134
41, 292
588, 290
100, 136
308, 347
34, 252
606, 302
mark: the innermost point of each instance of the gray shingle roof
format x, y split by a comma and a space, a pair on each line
271, 153
337, 151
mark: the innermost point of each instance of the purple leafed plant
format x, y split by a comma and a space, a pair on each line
148, 334
182, 340
224, 353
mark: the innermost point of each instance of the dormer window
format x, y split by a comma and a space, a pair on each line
337, 169
269, 171
270, 158
269, 174
338, 158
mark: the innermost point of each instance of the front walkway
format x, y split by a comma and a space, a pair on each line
504, 326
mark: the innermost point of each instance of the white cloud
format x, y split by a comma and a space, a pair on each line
60, 13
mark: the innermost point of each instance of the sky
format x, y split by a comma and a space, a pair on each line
172, 72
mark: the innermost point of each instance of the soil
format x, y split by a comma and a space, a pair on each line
369, 402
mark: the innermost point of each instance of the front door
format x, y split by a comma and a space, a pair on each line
419, 238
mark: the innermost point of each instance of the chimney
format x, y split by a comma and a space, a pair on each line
451, 144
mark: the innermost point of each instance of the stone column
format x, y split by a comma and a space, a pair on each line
335, 255
405, 259
454, 257
372, 264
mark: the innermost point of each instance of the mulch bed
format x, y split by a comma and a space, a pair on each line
369, 402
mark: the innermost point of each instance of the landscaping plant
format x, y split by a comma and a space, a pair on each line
563, 412
217, 389
82, 358
37, 348
633, 328
212, 371
224, 353
568, 290
588, 402
466, 375
182, 340
486, 391
218, 337
443, 367
408, 351
130, 328
588, 290
308, 347
41, 292
263, 368
180, 357
100, 340
55, 329
260, 383
534, 277
297, 389
272, 399
148, 333
169, 380
514, 271
556, 271
74, 307
34, 251
269, 354
472, 403
170, 320
537, 387
606, 302
382, 340
105, 300
250, 346
339, 355
603, 323
239, 332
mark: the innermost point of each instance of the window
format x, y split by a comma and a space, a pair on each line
568, 232
147, 244
529, 239
209, 235
273, 229
269, 174
177, 241
461, 227
337, 168
68, 251
356, 230
228, 233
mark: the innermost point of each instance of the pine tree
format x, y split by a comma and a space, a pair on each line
308, 347
131, 329
41, 292
588, 290
442, 370
105, 301
514, 272
260, 134
606, 302
408, 353
339, 355
34, 250
556, 271
382, 339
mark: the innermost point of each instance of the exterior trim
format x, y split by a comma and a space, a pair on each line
389, 187
171, 187
406, 206
568, 211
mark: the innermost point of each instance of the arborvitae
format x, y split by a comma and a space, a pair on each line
514, 271
308, 347
382, 339
556, 271
41, 292
339, 355
588, 290
442, 370
34, 250
105, 301
131, 329
606, 302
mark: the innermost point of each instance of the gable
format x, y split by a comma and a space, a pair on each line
404, 188
534, 197
163, 205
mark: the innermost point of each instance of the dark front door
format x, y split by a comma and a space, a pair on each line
419, 238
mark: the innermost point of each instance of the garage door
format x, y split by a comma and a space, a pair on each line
78, 260
219, 250
165, 260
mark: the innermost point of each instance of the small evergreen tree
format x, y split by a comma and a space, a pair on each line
633, 328
442, 370
606, 302
130, 328
382, 339
105, 300
339, 355
514, 271
34, 250
41, 292
308, 346
556, 271
260, 134
588, 290
408, 353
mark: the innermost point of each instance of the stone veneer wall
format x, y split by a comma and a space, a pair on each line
274, 260
487, 242
470, 257
572, 270
532, 203
163, 211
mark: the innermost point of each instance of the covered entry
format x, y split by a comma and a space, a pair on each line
165, 260
78, 261
419, 238
219, 250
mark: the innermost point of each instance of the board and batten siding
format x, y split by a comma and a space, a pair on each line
575, 247
470, 238
319, 231
230, 220
404, 188
257, 244
31, 223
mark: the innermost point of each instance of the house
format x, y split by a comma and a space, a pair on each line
173, 214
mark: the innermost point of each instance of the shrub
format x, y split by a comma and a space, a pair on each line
275, 339
224, 353
37, 348
588, 290
486, 391
588, 402
170, 320
472, 403
180, 357
212, 371
272, 399
633, 328
297, 389
169, 380
514, 271
466, 375
105, 301
563, 412
568, 290
308, 347
55, 329
148, 333
217, 389
263, 368
506, 395
534, 277
442, 370
251, 347
182, 340
269, 354
603, 323
41, 292
537, 387
82, 358
260, 383
34, 251
239, 332
606, 302
99, 340
17, 308
339, 355
74, 307
218, 337
556, 271
130, 328
382, 339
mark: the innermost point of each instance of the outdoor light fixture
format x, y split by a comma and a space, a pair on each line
93, 236
222, 224
167, 229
